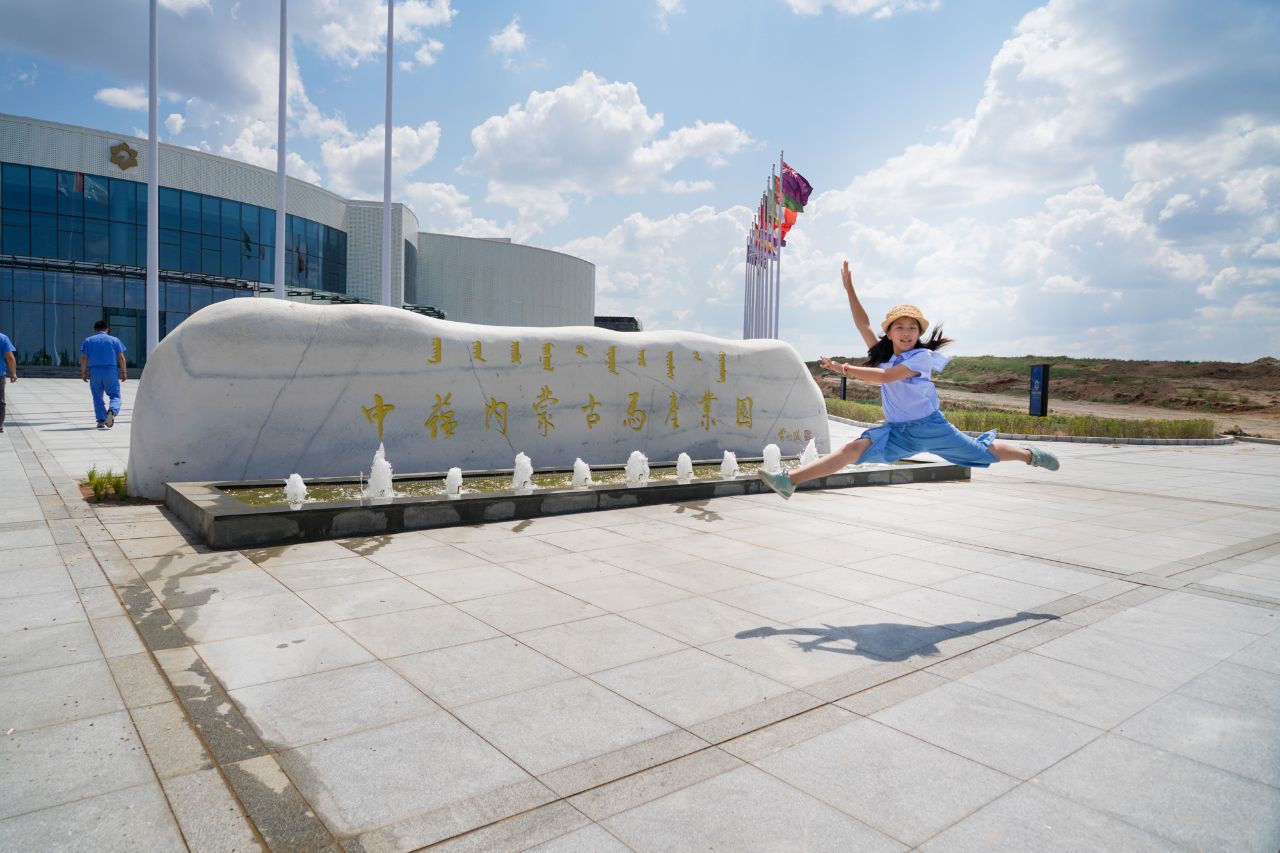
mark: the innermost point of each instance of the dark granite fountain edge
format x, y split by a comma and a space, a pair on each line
223, 522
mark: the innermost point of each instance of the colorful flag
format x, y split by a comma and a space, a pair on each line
795, 189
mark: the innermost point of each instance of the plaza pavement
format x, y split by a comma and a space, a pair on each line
1087, 660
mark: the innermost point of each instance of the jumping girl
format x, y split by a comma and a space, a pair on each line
901, 363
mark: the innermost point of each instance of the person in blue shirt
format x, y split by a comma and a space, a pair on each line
102, 366
7, 349
901, 363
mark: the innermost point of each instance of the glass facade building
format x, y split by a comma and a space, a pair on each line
73, 249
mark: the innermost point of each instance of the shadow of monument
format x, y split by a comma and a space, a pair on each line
884, 640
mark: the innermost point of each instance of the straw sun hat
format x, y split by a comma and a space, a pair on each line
897, 312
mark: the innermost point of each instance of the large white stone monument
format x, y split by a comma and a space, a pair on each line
259, 389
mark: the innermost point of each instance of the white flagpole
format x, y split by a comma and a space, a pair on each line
386, 165
281, 118
777, 300
746, 282
772, 210
153, 193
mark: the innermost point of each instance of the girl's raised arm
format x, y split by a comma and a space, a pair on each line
860, 318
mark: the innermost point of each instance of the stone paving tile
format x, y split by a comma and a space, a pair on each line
588, 839
584, 539
404, 632
475, 582
298, 711
700, 576
865, 630
782, 658
1002, 591
124, 821
1071, 691
557, 725
690, 686
180, 565
1174, 632
555, 824
1031, 818
1009, 736
695, 620
743, 809
770, 563
328, 573
23, 582
602, 642
849, 584
41, 648
61, 694
1157, 666
1210, 733
210, 819
525, 610
246, 661
901, 786
780, 601
647, 531
913, 572
194, 590
303, 552
371, 598
139, 680
1238, 687
438, 762
563, 569
172, 747
473, 672
441, 558
157, 546
1263, 654
284, 819
505, 549
624, 591
224, 620
29, 612
1195, 805
70, 761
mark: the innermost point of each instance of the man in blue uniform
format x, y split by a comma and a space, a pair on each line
102, 366
7, 349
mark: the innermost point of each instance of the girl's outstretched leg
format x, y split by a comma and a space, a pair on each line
1006, 452
785, 484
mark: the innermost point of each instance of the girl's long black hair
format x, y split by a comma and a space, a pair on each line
882, 351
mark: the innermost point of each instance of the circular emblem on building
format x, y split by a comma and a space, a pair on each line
124, 156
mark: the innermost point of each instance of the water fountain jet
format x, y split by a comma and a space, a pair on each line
637, 470
522, 474
380, 476
581, 474
684, 469
295, 491
729, 466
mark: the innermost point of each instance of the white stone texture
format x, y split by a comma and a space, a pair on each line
260, 388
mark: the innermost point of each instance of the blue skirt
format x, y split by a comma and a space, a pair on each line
933, 434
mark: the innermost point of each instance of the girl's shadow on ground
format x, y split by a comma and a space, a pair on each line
884, 640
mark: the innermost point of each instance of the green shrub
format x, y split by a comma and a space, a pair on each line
120, 484
980, 420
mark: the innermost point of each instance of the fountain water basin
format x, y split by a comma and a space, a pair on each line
251, 514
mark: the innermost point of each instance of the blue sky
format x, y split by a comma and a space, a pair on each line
1082, 178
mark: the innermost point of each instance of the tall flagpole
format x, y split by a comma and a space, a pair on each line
770, 208
777, 296
386, 164
281, 120
153, 193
